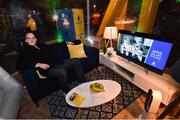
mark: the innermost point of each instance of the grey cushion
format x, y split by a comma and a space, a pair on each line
10, 96
1, 96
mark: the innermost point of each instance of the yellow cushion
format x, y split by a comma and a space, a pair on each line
77, 51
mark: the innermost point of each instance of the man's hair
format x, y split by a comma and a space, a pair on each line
29, 31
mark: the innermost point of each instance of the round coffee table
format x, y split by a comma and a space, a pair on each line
112, 90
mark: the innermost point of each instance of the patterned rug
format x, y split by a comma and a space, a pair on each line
59, 109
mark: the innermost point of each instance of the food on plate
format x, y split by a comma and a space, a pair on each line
96, 87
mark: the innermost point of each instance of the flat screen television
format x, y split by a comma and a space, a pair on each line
146, 50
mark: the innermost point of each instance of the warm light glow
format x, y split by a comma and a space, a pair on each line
118, 21
55, 17
94, 6
110, 33
90, 40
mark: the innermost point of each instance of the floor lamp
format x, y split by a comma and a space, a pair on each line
110, 33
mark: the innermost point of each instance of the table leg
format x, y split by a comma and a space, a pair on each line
115, 104
79, 113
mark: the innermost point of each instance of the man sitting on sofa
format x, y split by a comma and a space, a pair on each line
36, 55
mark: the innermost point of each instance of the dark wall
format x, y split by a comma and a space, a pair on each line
167, 25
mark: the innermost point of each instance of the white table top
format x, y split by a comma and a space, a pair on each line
112, 90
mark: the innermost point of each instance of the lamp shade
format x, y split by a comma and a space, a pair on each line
110, 33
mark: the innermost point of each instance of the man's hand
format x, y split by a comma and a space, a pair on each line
42, 66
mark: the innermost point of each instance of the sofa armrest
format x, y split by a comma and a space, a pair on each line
92, 59
92, 52
38, 88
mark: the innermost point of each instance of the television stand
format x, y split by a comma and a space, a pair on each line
125, 71
168, 87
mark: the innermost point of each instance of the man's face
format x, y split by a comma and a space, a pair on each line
30, 39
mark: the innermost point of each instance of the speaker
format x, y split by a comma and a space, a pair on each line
175, 71
153, 101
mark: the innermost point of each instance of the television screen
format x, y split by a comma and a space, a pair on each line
144, 49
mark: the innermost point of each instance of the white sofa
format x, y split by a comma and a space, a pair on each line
10, 96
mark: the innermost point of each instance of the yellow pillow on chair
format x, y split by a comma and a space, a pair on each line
77, 51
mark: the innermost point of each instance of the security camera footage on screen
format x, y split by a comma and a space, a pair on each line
148, 51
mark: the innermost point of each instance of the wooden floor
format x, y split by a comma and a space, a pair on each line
28, 110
